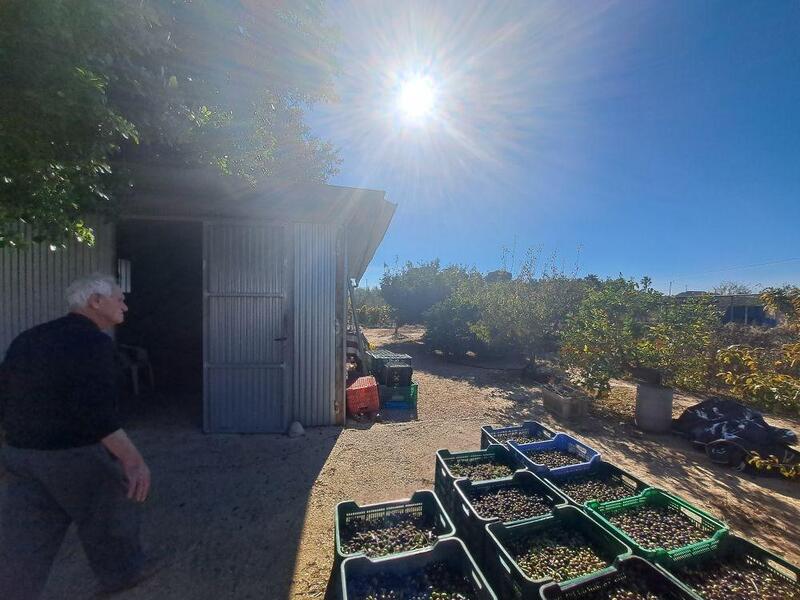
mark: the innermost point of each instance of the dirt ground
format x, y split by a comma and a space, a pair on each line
252, 516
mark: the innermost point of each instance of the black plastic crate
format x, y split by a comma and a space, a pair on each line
422, 503
471, 525
600, 470
502, 435
627, 570
396, 374
508, 578
444, 479
377, 358
450, 551
733, 549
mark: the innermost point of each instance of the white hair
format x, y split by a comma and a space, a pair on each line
80, 290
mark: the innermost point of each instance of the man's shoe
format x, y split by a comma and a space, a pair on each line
152, 565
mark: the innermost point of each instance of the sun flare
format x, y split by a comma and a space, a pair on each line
417, 97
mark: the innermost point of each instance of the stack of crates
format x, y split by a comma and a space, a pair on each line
397, 389
486, 553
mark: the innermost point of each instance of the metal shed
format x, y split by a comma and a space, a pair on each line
275, 265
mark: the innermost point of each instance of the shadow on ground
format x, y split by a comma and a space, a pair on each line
227, 510
760, 507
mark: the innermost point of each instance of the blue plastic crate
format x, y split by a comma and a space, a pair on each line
501, 435
450, 551
562, 441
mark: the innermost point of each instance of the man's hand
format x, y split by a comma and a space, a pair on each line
136, 471
138, 476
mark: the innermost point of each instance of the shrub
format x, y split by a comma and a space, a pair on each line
413, 289
449, 326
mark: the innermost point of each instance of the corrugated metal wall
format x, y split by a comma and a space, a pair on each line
32, 281
245, 342
314, 313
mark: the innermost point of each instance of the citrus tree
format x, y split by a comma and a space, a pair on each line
678, 340
601, 340
88, 83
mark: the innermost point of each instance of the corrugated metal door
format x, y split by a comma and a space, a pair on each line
33, 280
314, 320
245, 332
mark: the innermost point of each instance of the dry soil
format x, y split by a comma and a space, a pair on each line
252, 516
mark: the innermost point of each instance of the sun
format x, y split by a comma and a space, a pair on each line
417, 97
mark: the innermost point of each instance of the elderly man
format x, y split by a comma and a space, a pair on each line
67, 456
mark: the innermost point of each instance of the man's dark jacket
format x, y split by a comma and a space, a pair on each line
58, 386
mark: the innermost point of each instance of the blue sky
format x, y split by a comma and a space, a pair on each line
642, 138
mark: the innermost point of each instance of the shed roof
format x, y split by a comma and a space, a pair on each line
202, 193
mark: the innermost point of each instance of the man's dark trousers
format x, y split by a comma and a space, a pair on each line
48, 490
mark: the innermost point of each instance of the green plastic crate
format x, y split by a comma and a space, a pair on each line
734, 546
398, 397
510, 581
715, 528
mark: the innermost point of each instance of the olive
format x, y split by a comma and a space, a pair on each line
522, 437
735, 577
480, 470
555, 553
436, 581
591, 487
387, 535
658, 527
509, 503
554, 458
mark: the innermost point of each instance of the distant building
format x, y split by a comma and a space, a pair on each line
745, 309
498, 276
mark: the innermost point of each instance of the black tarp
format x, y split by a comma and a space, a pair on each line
725, 419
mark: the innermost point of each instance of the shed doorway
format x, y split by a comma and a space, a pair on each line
165, 310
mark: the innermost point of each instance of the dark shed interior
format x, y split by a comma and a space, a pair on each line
165, 302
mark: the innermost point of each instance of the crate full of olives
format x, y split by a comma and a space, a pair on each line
633, 578
526, 433
738, 569
494, 462
390, 528
659, 526
523, 496
446, 571
602, 482
562, 454
564, 547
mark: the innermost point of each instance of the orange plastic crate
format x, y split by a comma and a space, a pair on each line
362, 396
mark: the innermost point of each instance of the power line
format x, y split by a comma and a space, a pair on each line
764, 264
